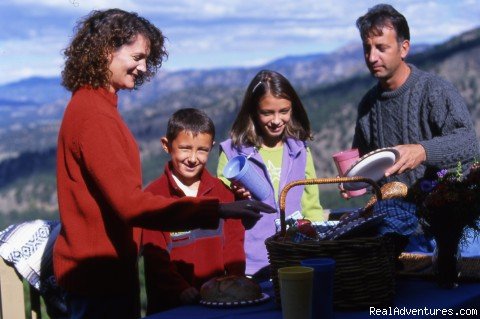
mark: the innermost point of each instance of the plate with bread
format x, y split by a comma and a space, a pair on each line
231, 291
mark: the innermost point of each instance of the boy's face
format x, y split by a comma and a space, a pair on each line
189, 155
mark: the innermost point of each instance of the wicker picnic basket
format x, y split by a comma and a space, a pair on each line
365, 267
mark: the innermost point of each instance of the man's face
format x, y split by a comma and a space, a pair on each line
384, 55
189, 155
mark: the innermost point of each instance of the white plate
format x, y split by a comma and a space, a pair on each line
219, 304
372, 165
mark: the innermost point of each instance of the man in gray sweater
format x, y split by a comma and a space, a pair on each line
418, 113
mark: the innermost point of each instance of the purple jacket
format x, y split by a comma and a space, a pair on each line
293, 168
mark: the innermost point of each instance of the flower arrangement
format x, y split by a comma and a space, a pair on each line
447, 206
452, 199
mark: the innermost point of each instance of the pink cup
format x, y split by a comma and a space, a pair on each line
344, 160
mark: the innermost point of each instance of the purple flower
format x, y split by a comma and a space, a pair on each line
441, 174
427, 186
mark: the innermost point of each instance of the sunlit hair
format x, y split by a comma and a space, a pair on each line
380, 16
190, 120
97, 36
245, 130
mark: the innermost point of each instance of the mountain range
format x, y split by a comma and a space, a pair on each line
330, 86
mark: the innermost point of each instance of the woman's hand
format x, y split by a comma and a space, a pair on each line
247, 210
240, 191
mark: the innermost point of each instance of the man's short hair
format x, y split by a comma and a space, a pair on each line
380, 16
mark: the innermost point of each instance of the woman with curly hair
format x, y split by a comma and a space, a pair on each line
99, 180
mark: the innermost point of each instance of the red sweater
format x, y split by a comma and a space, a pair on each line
100, 199
195, 256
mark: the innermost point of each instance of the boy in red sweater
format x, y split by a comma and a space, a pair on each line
178, 263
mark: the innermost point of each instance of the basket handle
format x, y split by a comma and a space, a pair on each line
355, 179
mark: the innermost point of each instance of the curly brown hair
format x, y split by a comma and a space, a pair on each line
97, 36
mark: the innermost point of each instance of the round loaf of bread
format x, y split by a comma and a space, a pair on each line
230, 289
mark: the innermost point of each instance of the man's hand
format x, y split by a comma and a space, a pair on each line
246, 210
343, 191
189, 296
411, 155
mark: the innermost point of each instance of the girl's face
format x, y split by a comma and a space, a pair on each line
273, 114
127, 63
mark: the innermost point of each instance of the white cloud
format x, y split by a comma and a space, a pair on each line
214, 33
40, 56
70, 3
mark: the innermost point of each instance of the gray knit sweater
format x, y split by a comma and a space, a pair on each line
425, 110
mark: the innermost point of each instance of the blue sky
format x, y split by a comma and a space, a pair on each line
216, 33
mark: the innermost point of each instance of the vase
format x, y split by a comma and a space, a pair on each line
447, 255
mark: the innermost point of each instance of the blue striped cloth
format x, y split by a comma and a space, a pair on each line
28, 247
389, 216
400, 217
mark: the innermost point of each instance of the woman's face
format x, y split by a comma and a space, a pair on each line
273, 114
127, 63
